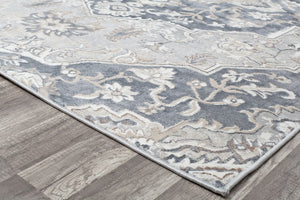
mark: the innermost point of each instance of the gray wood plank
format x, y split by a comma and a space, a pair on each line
15, 188
185, 189
38, 140
138, 178
68, 171
6, 171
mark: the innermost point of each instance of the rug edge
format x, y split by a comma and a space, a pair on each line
224, 192
262, 159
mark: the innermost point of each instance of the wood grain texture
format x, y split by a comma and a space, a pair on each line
87, 173
185, 189
56, 157
67, 161
15, 188
6, 171
137, 179
76, 167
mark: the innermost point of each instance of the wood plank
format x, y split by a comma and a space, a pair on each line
16, 106
20, 108
138, 178
281, 183
185, 189
6, 171
37, 140
68, 171
16, 188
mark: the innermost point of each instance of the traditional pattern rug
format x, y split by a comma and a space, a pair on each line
206, 88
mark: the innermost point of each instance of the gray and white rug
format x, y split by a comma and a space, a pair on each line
208, 89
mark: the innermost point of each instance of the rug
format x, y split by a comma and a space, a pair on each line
208, 89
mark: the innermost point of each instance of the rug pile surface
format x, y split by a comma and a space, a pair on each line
208, 89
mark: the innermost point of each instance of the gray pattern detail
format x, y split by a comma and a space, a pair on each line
262, 17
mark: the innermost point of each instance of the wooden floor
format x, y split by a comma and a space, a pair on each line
46, 154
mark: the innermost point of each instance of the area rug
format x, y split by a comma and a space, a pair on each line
207, 88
